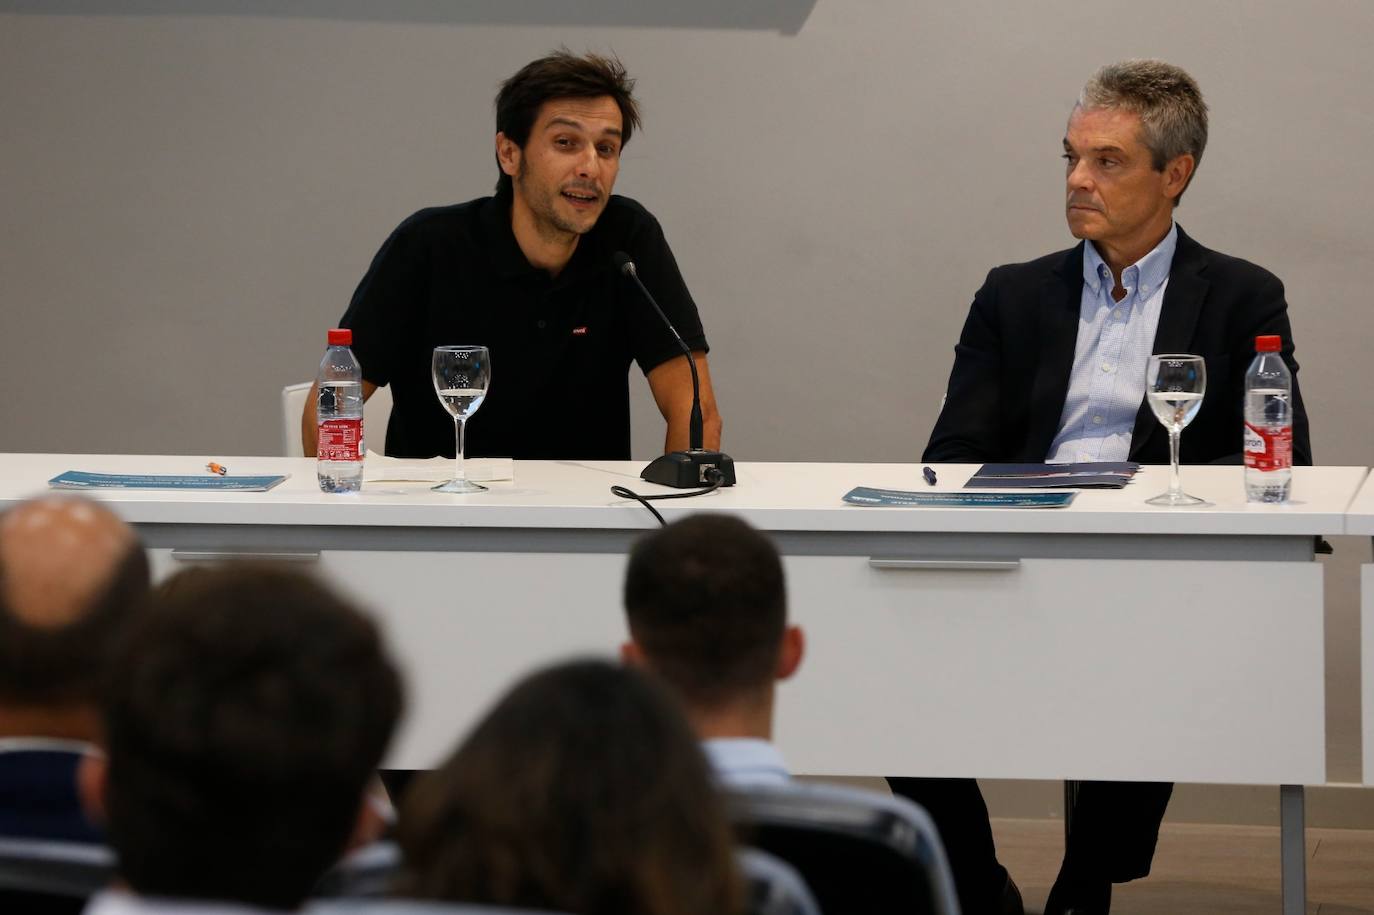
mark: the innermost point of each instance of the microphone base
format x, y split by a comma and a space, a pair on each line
687, 469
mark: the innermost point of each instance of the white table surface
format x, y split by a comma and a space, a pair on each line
1360, 516
773, 496
1011, 651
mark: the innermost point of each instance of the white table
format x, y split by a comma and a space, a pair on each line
1108, 640
1360, 523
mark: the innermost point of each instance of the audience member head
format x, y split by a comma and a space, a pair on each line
250, 709
70, 574
707, 610
584, 791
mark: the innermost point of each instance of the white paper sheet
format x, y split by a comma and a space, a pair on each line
382, 469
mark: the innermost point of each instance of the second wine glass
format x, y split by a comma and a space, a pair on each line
1174, 386
461, 376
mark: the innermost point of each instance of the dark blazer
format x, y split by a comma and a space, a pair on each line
38, 797
1012, 364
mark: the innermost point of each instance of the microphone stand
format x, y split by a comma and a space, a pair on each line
695, 466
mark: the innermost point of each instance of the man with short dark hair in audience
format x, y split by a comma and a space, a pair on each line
251, 710
706, 604
70, 574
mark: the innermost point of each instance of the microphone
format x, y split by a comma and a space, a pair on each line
690, 468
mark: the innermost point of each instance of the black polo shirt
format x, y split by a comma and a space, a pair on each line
560, 348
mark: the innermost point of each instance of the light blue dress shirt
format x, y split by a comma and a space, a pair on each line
1115, 339
122, 902
745, 762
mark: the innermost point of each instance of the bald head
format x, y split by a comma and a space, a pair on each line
69, 572
56, 557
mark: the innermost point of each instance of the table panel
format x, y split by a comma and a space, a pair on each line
1135, 670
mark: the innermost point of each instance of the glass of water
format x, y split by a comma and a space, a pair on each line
461, 375
1174, 385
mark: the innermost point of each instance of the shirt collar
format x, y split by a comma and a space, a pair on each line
122, 902
749, 756
502, 247
46, 745
510, 261
1151, 270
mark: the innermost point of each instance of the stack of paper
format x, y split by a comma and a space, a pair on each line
1097, 475
382, 469
867, 495
213, 482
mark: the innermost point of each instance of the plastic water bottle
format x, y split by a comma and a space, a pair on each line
339, 416
1268, 424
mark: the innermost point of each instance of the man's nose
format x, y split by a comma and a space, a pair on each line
1079, 177
589, 163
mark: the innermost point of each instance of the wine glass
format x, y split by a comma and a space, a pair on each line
1174, 385
461, 376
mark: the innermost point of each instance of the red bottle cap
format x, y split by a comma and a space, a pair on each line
1268, 344
342, 336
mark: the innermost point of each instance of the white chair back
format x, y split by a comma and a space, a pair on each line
376, 412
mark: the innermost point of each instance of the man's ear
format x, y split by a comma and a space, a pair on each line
631, 655
1177, 171
375, 816
507, 154
791, 651
91, 780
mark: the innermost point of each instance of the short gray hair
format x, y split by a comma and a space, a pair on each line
1173, 115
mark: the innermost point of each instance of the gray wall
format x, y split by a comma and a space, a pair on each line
188, 195
189, 200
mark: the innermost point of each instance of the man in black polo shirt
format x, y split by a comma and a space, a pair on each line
528, 273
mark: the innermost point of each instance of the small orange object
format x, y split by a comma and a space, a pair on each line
217, 468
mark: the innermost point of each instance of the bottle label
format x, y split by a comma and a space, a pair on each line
341, 440
1268, 449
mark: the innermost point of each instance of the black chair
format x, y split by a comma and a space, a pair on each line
774, 886
367, 873
860, 852
45, 877
408, 907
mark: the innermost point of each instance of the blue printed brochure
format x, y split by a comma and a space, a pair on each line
1094, 475
208, 482
865, 495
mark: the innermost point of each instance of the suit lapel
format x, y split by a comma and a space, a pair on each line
1060, 303
1183, 299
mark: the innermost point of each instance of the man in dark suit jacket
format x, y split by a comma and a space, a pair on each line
1013, 362
1051, 367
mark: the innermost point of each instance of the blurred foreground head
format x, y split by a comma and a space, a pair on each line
250, 708
70, 574
584, 791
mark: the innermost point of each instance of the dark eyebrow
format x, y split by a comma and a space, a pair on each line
1097, 149
569, 122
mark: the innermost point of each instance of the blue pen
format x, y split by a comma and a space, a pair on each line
929, 475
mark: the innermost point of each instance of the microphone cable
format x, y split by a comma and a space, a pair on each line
713, 476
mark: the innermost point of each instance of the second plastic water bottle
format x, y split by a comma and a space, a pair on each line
1268, 424
339, 414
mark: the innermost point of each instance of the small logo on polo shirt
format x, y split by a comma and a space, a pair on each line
579, 331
